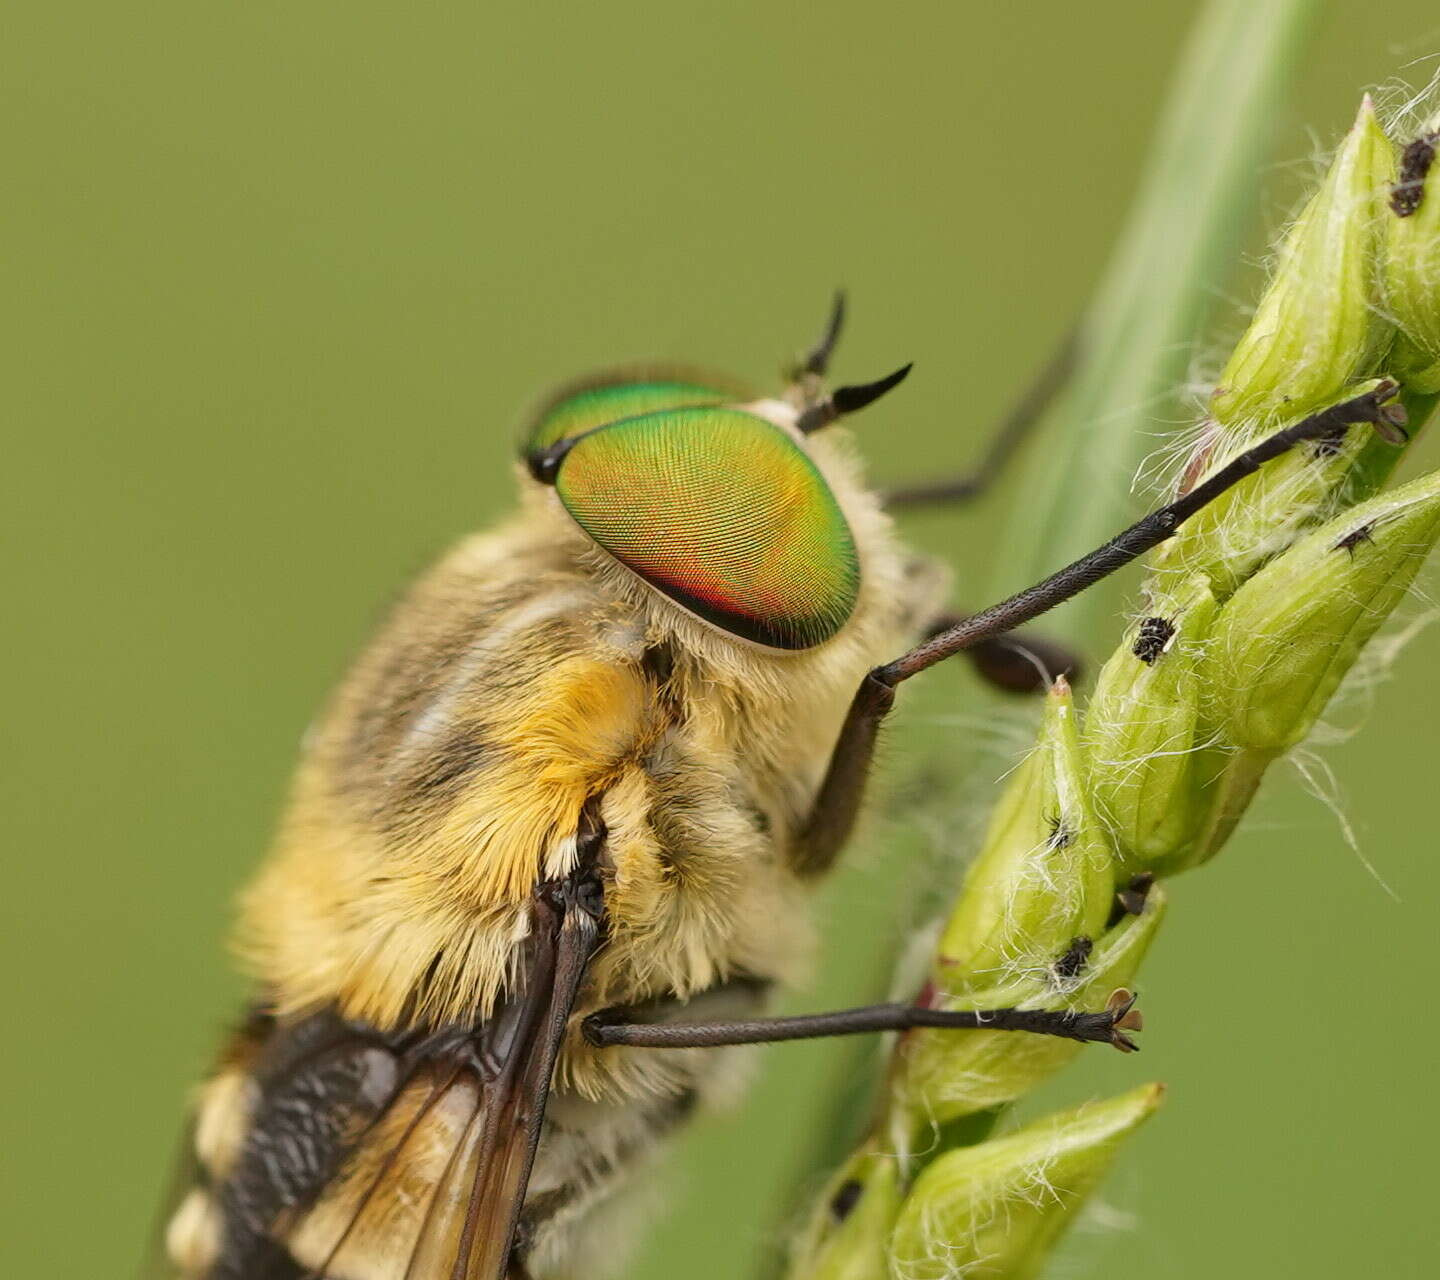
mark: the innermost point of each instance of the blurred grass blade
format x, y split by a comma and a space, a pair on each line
1198, 192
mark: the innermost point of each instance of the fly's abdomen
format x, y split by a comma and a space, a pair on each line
272, 1128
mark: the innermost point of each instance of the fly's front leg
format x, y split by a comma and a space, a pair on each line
608, 1028
842, 790
816, 407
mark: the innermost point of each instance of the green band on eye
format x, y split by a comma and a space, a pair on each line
724, 513
623, 393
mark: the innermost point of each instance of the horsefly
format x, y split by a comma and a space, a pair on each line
551, 843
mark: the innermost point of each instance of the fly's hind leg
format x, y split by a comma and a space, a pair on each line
1013, 662
840, 794
1006, 440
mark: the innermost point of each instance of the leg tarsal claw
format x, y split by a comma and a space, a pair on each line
1123, 1016
1110, 1024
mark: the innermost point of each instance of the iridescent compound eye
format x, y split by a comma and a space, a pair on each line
725, 514
583, 406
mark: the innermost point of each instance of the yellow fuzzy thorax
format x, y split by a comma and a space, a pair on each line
517, 680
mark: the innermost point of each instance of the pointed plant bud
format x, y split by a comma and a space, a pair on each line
951, 1074
1142, 737
849, 1238
1286, 639
1044, 872
1318, 328
994, 1210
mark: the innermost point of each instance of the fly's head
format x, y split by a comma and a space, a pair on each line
733, 510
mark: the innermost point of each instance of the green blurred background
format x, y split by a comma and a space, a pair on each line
279, 279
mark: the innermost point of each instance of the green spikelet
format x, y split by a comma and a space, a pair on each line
1143, 737
995, 1209
1287, 639
1318, 327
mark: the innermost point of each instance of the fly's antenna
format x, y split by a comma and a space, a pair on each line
845, 400
819, 408
817, 363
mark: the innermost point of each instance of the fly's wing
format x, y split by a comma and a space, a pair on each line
375, 1158
434, 1190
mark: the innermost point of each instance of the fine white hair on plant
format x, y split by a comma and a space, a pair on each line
1160, 470
1176, 746
1404, 109
1354, 700
1320, 780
